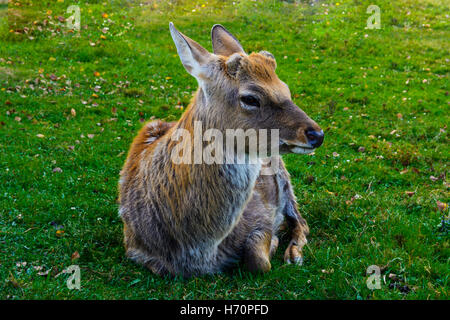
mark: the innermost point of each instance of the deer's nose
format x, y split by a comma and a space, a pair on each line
315, 138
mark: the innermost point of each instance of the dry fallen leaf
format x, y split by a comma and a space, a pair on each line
410, 193
75, 255
442, 206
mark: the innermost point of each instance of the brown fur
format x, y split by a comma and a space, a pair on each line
197, 218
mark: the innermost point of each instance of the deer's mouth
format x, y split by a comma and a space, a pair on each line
298, 148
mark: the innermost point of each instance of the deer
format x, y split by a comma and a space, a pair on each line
191, 219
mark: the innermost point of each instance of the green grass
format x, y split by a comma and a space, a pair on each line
385, 90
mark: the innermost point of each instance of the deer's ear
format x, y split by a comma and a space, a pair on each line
192, 55
223, 42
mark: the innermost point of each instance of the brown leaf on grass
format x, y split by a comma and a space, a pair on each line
442, 206
18, 119
75, 255
399, 115
410, 193
13, 282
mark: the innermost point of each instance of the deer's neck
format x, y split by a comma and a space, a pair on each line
210, 194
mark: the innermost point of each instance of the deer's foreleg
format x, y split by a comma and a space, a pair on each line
299, 231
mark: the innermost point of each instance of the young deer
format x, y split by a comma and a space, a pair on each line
190, 219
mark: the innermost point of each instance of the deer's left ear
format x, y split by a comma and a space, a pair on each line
192, 55
223, 42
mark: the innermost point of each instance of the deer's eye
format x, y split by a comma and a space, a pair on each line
249, 101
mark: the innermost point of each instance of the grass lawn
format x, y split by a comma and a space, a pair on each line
374, 194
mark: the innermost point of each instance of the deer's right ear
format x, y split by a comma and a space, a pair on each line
192, 55
223, 42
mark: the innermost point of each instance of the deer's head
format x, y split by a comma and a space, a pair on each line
240, 91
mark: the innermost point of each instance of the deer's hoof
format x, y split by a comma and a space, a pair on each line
297, 260
293, 255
